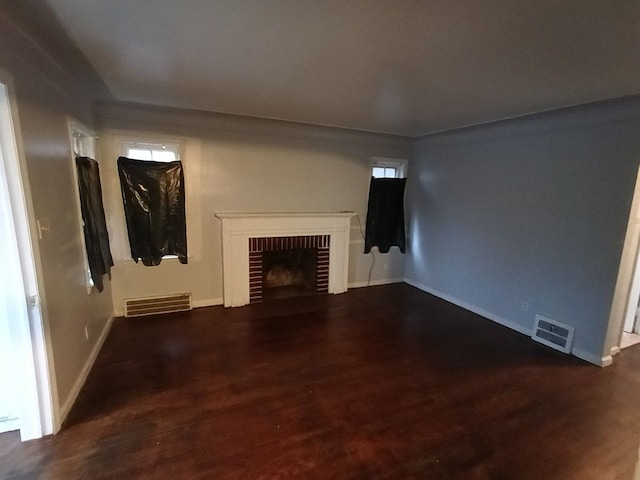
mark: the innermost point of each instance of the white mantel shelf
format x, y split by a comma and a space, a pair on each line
238, 228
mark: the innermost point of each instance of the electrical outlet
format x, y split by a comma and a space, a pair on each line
525, 306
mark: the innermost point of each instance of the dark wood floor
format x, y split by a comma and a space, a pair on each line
379, 383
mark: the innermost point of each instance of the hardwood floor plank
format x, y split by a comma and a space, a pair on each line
379, 383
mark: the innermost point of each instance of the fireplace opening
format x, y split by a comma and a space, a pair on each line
289, 273
282, 267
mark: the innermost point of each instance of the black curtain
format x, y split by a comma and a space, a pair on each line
96, 237
385, 215
154, 198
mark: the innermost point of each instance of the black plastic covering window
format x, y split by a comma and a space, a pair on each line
154, 197
385, 215
96, 237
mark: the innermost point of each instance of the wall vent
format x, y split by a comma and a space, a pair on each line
136, 307
553, 334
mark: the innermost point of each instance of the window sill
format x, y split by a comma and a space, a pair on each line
170, 259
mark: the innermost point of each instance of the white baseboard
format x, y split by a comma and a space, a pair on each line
581, 354
606, 361
9, 425
208, 302
591, 358
373, 283
614, 351
467, 306
84, 373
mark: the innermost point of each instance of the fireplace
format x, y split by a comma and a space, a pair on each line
281, 267
250, 262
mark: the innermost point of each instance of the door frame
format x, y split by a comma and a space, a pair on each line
39, 393
627, 290
630, 323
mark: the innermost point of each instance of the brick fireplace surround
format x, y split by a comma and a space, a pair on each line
240, 231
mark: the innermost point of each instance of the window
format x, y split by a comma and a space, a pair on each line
385, 208
83, 144
95, 238
385, 172
83, 141
388, 168
156, 229
156, 152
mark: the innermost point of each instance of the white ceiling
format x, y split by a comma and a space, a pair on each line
407, 67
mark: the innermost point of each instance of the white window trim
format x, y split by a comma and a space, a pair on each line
78, 131
398, 163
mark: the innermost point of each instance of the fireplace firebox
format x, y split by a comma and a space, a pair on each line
281, 267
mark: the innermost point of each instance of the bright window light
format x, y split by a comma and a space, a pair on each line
153, 152
388, 168
163, 156
139, 154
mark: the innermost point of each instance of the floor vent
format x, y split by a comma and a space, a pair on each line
136, 307
553, 334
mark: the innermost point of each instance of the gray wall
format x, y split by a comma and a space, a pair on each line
527, 210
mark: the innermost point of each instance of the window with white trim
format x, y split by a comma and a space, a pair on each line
388, 167
83, 140
155, 151
83, 144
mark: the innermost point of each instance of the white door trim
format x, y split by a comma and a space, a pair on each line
39, 396
627, 290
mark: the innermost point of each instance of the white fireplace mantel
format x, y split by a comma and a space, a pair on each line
238, 228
